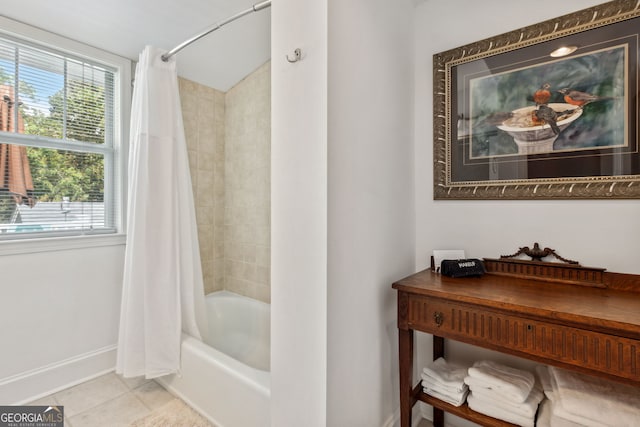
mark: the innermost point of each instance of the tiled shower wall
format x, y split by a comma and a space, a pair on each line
247, 185
228, 140
203, 116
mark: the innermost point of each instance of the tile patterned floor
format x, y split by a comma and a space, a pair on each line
109, 400
113, 401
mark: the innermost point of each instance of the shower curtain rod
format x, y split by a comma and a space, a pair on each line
255, 8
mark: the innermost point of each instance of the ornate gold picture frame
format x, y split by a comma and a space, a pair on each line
515, 118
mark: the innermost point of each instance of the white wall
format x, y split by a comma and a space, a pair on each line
298, 213
371, 212
577, 229
60, 298
59, 313
342, 208
600, 233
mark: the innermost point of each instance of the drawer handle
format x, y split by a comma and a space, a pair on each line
437, 316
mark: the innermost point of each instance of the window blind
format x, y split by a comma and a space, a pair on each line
57, 163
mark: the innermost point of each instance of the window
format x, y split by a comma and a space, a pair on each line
61, 134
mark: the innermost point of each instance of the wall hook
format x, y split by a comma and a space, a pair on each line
297, 55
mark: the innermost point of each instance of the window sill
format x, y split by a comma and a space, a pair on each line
51, 244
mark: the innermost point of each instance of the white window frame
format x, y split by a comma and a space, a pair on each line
122, 104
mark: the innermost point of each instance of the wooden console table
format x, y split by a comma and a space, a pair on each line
583, 320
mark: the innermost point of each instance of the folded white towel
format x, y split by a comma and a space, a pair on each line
446, 373
546, 417
452, 400
543, 419
602, 401
513, 383
528, 408
560, 414
542, 371
561, 418
455, 397
475, 383
430, 382
496, 412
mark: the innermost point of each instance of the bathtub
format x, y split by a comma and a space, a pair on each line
226, 378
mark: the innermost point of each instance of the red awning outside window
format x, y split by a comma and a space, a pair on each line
15, 174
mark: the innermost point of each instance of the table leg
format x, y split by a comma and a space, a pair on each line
406, 376
438, 351
438, 347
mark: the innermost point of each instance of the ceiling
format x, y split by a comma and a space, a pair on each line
124, 27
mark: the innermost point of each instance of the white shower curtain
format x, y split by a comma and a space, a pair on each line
162, 287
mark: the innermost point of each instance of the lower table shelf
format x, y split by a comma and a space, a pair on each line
462, 411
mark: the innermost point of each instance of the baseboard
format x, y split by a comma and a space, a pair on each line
394, 419
36, 383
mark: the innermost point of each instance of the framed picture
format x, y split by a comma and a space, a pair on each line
545, 112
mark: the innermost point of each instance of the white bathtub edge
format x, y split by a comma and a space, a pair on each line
231, 366
219, 387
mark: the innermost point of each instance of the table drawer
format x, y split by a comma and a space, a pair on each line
609, 354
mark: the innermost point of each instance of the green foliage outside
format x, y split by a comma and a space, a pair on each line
56, 173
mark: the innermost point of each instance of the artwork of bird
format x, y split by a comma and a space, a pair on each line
575, 97
542, 95
549, 116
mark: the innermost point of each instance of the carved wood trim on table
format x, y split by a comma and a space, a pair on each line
548, 271
545, 342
